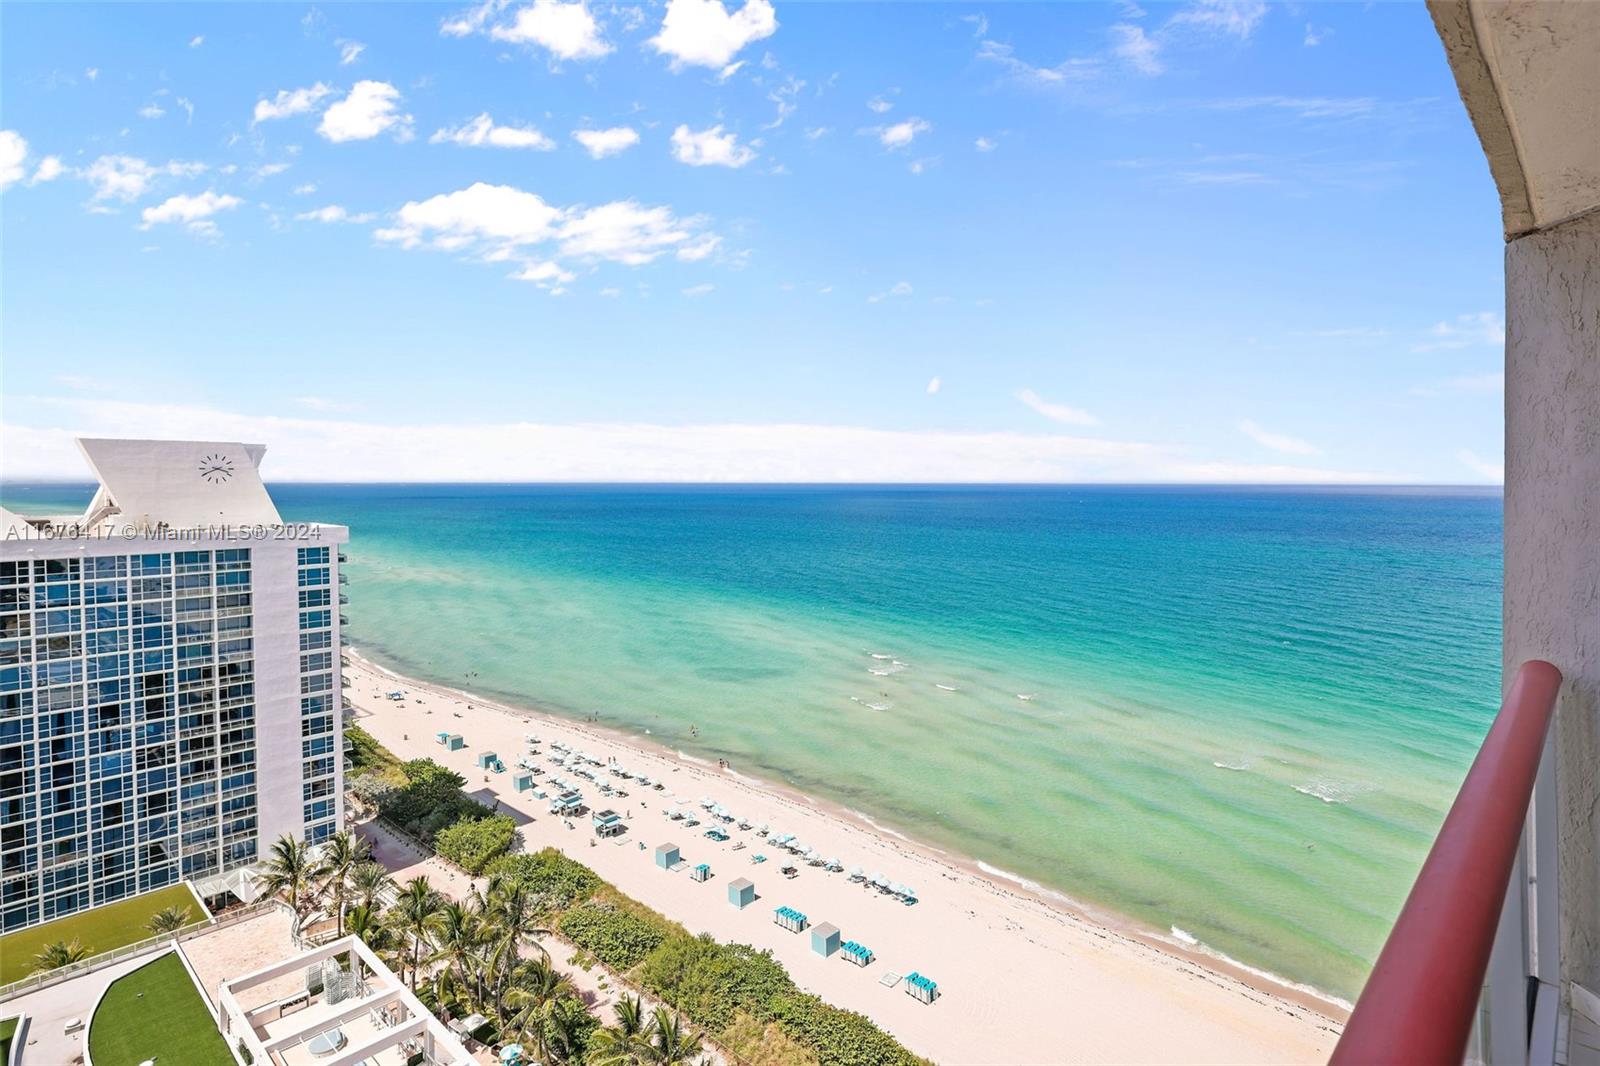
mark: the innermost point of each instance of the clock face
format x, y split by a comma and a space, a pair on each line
216, 468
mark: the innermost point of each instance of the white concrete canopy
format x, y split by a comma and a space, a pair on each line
178, 483
1529, 73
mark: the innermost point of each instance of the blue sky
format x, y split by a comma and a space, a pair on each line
1198, 241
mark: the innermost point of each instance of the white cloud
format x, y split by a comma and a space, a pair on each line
699, 290
566, 31
350, 51
878, 105
710, 147
1056, 412
195, 212
1484, 468
985, 144
305, 190
41, 444
899, 288
151, 111
817, 133
370, 108
901, 134
13, 157
1315, 35
546, 275
49, 169
1135, 47
92, 73
482, 132
601, 143
1235, 18
700, 248
1278, 442
127, 178
1077, 69
703, 33
333, 213
321, 403
1464, 331
196, 41
291, 102
268, 170
188, 107
934, 386
499, 222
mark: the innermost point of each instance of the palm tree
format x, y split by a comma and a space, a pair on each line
368, 881
416, 913
564, 1023
671, 1044
537, 988
169, 920
458, 942
292, 870
509, 917
61, 953
343, 852
628, 1042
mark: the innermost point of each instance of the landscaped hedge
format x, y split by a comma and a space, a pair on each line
555, 880
474, 844
615, 936
431, 800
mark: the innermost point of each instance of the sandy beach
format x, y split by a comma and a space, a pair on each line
1022, 977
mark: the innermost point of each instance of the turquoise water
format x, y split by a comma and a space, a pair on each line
1249, 708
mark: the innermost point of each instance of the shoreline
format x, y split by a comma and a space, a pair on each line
1042, 904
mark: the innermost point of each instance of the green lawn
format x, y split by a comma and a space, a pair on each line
8, 1029
155, 1012
99, 929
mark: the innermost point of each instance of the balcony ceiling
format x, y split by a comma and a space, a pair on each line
1529, 73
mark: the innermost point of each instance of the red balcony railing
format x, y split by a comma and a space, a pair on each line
1418, 1006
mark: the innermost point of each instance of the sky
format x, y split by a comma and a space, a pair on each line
689, 241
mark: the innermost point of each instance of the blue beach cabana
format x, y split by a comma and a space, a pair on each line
701, 872
487, 759
667, 856
855, 954
825, 939
923, 989
742, 893
443, 736
454, 742
790, 919
522, 782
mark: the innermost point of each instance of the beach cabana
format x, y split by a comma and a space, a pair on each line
855, 954
522, 782
608, 824
790, 919
454, 742
701, 872
825, 939
923, 989
667, 856
442, 736
742, 893
487, 759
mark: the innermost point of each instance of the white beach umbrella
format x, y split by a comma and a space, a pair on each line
856, 871
908, 891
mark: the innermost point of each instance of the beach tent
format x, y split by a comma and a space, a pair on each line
856, 954
825, 939
742, 893
701, 872
522, 782
455, 742
443, 736
666, 856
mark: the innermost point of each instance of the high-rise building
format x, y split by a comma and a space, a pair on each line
170, 695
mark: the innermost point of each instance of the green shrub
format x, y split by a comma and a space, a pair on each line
617, 937
837, 1035
473, 845
559, 882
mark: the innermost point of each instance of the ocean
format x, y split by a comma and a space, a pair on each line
1234, 714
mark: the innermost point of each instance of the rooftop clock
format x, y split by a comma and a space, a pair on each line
216, 468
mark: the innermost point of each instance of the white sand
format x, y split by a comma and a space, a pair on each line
1022, 978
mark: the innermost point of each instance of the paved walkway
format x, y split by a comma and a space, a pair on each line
48, 1010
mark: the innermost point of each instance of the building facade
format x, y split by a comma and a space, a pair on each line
169, 680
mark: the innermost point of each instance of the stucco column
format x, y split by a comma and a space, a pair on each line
1552, 548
